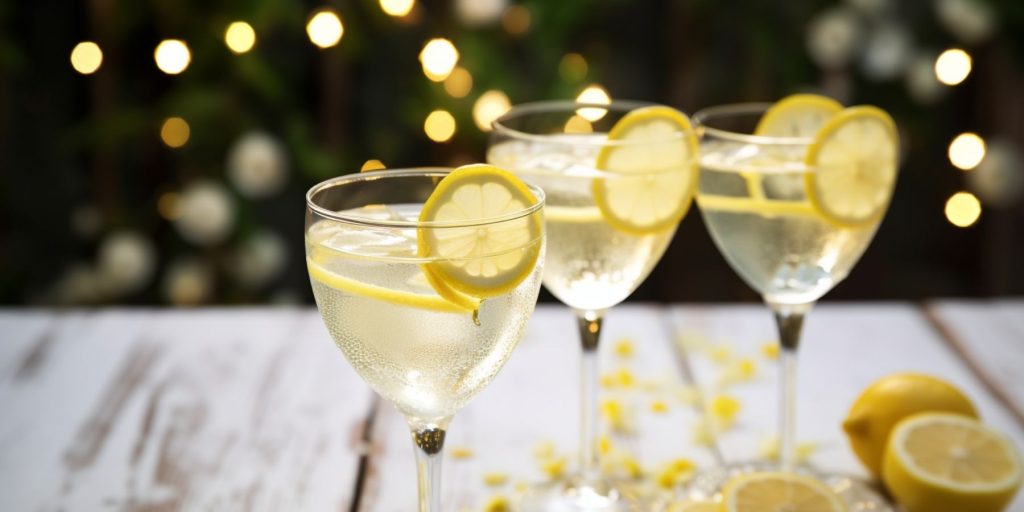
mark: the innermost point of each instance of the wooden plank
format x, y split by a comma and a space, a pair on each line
845, 348
25, 337
989, 335
184, 410
534, 401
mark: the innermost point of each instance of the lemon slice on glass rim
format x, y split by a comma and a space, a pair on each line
485, 239
651, 165
797, 115
777, 491
853, 163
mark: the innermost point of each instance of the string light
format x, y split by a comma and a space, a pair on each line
577, 124
573, 67
172, 56
953, 66
240, 37
593, 94
86, 57
396, 8
372, 165
516, 20
438, 59
175, 132
439, 126
325, 28
459, 83
488, 107
963, 209
966, 151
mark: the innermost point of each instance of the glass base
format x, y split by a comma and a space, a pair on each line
577, 496
860, 496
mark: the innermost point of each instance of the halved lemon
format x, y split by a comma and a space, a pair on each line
651, 160
942, 462
779, 492
853, 162
488, 250
797, 115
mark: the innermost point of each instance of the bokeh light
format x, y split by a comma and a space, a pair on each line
459, 83
86, 57
963, 209
372, 165
573, 67
516, 20
593, 94
172, 56
240, 37
577, 124
439, 126
325, 28
397, 8
488, 107
169, 205
953, 66
175, 132
967, 151
438, 59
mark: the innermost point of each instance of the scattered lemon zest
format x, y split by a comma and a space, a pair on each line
724, 409
741, 371
608, 380
806, 450
624, 348
461, 452
625, 378
675, 473
544, 449
497, 503
720, 353
554, 468
770, 350
495, 478
768, 448
521, 487
659, 406
703, 434
604, 445
632, 466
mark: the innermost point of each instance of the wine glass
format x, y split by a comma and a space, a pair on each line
761, 201
597, 255
391, 308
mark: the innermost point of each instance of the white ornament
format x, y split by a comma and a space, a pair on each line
207, 213
479, 12
260, 259
833, 37
971, 21
999, 178
257, 165
887, 52
126, 261
187, 282
921, 82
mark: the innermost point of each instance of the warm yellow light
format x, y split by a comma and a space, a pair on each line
174, 132
240, 37
169, 205
172, 56
438, 58
577, 124
963, 209
953, 66
593, 94
967, 151
516, 20
459, 83
86, 57
372, 165
397, 8
325, 28
488, 107
439, 126
573, 67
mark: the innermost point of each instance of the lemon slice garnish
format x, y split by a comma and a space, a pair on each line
853, 166
798, 115
483, 256
651, 184
400, 297
778, 491
941, 462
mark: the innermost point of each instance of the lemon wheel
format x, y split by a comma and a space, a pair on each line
779, 492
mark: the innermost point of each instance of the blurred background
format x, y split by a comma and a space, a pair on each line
157, 152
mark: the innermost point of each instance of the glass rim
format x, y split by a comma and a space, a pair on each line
500, 125
439, 172
702, 116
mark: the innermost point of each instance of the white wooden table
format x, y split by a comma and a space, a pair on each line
254, 409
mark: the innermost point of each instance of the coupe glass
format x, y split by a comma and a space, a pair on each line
752, 197
593, 263
421, 352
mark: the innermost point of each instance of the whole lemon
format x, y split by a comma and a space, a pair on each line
890, 399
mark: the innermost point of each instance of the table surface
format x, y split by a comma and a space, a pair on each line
254, 409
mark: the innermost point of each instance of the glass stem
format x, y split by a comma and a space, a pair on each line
429, 442
590, 331
790, 321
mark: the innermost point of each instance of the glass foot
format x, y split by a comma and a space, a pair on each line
575, 496
859, 495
